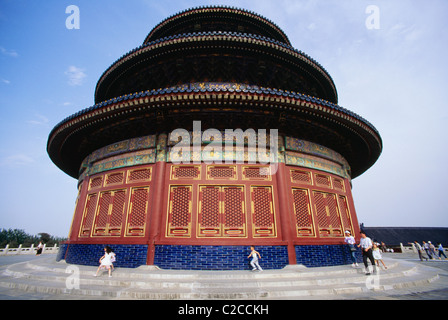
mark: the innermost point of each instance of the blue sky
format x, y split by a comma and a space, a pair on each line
394, 76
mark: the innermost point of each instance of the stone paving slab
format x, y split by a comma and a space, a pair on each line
338, 287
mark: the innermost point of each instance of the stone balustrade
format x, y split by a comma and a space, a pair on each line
31, 250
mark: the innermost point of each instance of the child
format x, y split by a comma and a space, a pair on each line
255, 255
377, 255
106, 261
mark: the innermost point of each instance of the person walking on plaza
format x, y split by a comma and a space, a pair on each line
419, 249
383, 247
432, 249
426, 248
113, 258
441, 253
40, 246
350, 240
254, 262
376, 252
366, 244
106, 261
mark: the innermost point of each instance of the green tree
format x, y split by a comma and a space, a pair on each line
16, 237
44, 237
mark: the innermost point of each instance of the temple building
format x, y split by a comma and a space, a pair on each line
214, 135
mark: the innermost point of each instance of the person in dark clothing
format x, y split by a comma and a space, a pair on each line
366, 245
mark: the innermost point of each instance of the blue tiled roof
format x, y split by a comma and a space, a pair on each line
190, 88
221, 7
217, 33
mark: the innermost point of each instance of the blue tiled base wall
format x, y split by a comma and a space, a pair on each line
325, 255
61, 253
175, 257
218, 257
128, 256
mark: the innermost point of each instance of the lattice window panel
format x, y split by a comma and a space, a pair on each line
257, 173
96, 182
233, 210
327, 212
321, 212
338, 184
334, 216
115, 178
302, 212
179, 211
116, 217
110, 214
345, 214
89, 215
221, 211
209, 211
298, 176
137, 213
263, 216
185, 172
323, 180
221, 172
139, 175
102, 214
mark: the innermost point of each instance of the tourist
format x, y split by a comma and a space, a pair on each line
419, 249
113, 259
432, 249
384, 248
40, 247
254, 262
426, 248
441, 253
366, 244
105, 261
376, 252
350, 240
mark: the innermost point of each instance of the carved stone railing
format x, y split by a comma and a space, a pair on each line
31, 250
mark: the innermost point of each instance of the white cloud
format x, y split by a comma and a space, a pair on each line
6, 81
75, 76
17, 160
39, 120
10, 53
311, 26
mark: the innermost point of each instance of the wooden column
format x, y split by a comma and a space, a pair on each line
286, 217
158, 185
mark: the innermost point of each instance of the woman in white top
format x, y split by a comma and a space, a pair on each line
106, 261
350, 240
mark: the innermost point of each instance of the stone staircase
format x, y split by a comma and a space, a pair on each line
63, 281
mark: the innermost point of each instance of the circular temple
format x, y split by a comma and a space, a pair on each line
212, 136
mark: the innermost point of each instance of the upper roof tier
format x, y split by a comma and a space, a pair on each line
248, 76
216, 44
217, 18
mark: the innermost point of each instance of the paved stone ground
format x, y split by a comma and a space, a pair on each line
437, 290
8, 294
11, 259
